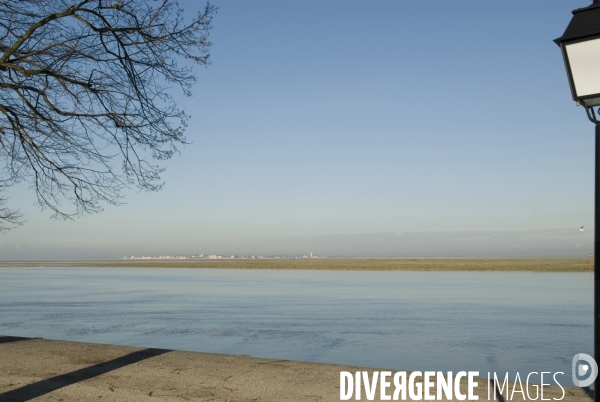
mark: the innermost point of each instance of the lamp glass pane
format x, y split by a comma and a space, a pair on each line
584, 60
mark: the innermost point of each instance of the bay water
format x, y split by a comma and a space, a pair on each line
449, 321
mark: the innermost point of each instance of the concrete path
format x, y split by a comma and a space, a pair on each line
44, 370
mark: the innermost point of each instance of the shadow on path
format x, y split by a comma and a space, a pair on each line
496, 391
52, 384
6, 339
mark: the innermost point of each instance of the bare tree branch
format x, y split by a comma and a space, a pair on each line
9, 218
84, 97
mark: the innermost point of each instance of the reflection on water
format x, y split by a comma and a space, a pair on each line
486, 321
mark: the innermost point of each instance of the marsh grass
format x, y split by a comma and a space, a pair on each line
372, 264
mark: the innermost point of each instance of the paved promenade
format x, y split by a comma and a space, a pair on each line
44, 370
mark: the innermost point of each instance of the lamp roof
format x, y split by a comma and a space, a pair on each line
585, 22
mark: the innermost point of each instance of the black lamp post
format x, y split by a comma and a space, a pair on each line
580, 45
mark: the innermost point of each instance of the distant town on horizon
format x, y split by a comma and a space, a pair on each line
220, 256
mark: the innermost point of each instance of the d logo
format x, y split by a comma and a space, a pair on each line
583, 369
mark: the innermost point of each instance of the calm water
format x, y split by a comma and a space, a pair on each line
486, 321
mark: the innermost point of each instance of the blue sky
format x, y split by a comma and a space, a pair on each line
380, 128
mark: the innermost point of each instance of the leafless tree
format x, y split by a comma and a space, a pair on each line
85, 107
9, 218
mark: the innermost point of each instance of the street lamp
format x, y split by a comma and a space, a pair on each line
580, 45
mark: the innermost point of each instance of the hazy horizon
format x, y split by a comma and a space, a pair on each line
567, 243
